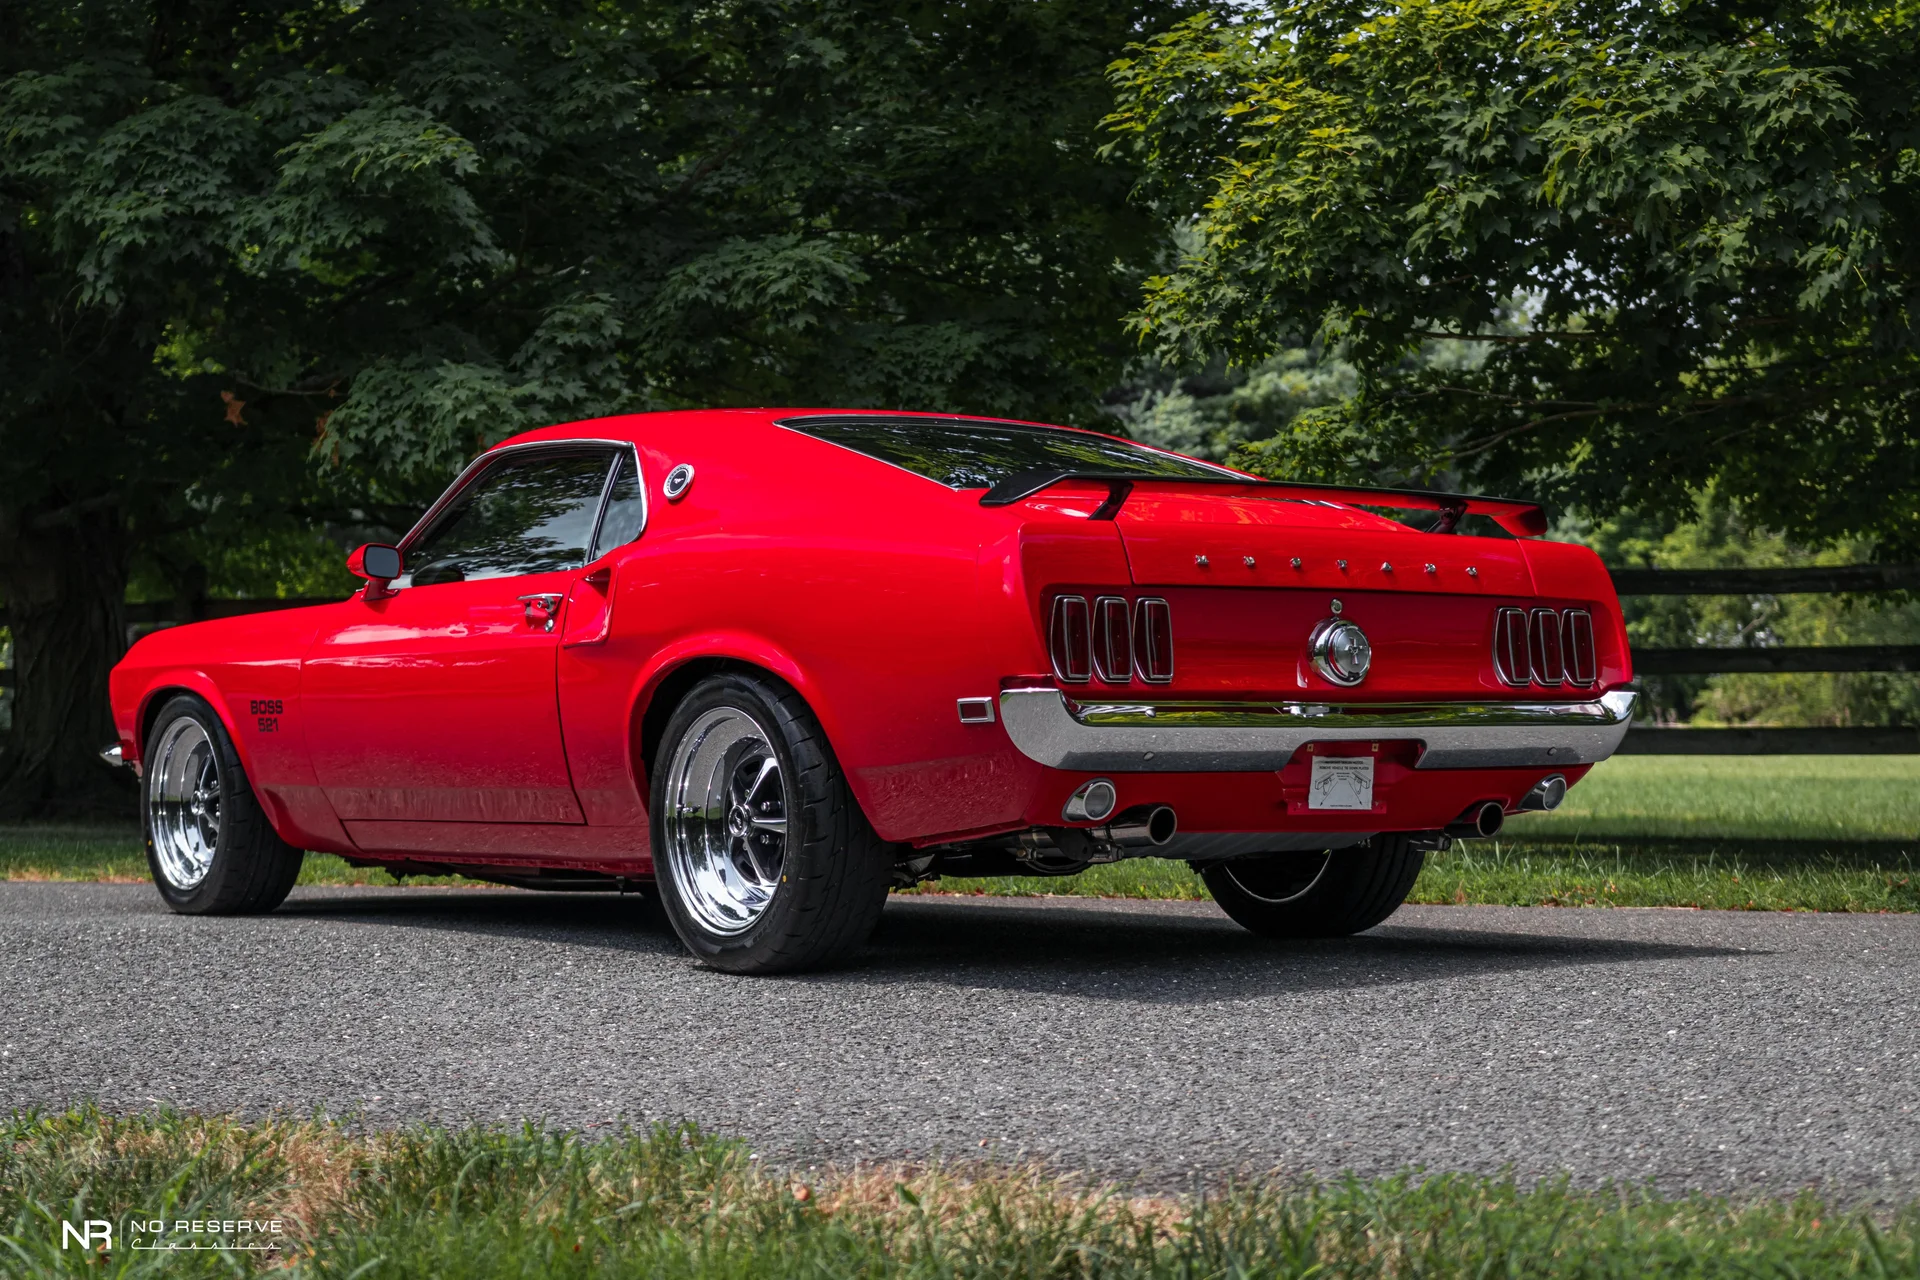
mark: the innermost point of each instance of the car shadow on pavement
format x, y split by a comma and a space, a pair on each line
1194, 957
622, 922
1171, 954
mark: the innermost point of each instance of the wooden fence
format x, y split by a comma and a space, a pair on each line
1629, 582
1812, 580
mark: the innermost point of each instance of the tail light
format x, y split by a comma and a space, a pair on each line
1153, 641
1510, 652
1547, 665
1112, 639
1069, 640
1577, 629
1116, 640
1546, 647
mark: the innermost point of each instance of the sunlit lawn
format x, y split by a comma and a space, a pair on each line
35, 851
1827, 833
1819, 798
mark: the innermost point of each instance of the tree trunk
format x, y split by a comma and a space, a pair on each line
64, 578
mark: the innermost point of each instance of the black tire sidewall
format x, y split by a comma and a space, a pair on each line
236, 802
1359, 888
808, 783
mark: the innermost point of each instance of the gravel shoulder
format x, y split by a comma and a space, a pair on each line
1152, 1041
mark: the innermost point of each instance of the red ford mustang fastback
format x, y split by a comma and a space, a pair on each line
776, 662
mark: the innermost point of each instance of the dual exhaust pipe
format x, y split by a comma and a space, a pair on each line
1135, 833
1147, 827
1480, 821
1141, 827
1484, 818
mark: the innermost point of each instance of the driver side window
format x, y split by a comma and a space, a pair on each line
530, 513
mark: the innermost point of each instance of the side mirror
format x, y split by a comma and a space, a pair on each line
378, 563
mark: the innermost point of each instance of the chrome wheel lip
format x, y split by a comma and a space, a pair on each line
725, 820
184, 803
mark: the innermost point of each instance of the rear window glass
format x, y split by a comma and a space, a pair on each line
971, 453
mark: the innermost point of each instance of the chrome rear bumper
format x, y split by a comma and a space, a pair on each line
1244, 737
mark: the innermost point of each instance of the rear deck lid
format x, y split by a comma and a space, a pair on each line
1187, 536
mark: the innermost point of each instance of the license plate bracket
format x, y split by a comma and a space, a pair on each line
1341, 783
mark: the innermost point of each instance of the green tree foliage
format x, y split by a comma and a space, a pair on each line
266, 265
1220, 410
1267, 418
1708, 213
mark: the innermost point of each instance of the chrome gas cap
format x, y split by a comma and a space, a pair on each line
1340, 651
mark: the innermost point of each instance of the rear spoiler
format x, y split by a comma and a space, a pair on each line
1521, 519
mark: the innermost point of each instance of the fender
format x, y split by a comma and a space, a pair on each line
294, 807
738, 646
191, 680
759, 651
1575, 572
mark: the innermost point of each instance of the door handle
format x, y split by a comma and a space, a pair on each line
548, 603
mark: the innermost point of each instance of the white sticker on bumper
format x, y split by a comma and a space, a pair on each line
1341, 782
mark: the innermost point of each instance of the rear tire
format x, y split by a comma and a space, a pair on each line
764, 861
1318, 895
209, 845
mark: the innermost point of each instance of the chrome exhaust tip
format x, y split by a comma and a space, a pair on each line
1140, 828
1546, 794
1161, 825
1480, 821
1133, 834
1091, 801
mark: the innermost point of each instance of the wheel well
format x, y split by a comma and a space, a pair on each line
151, 712
677, 685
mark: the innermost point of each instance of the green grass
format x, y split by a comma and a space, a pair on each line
1813, 798
1731, 875
673, 1202
66, 851
1824, 833
61, 851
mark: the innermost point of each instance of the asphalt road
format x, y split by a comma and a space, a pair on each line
1155, 1042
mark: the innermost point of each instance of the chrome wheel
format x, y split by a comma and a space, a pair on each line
726, 820
183, 802
1280, 878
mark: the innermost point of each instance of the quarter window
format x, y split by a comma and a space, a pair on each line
626, 509
528, 513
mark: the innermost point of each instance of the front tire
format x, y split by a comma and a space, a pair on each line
1318, 895
209, 845
764, 861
